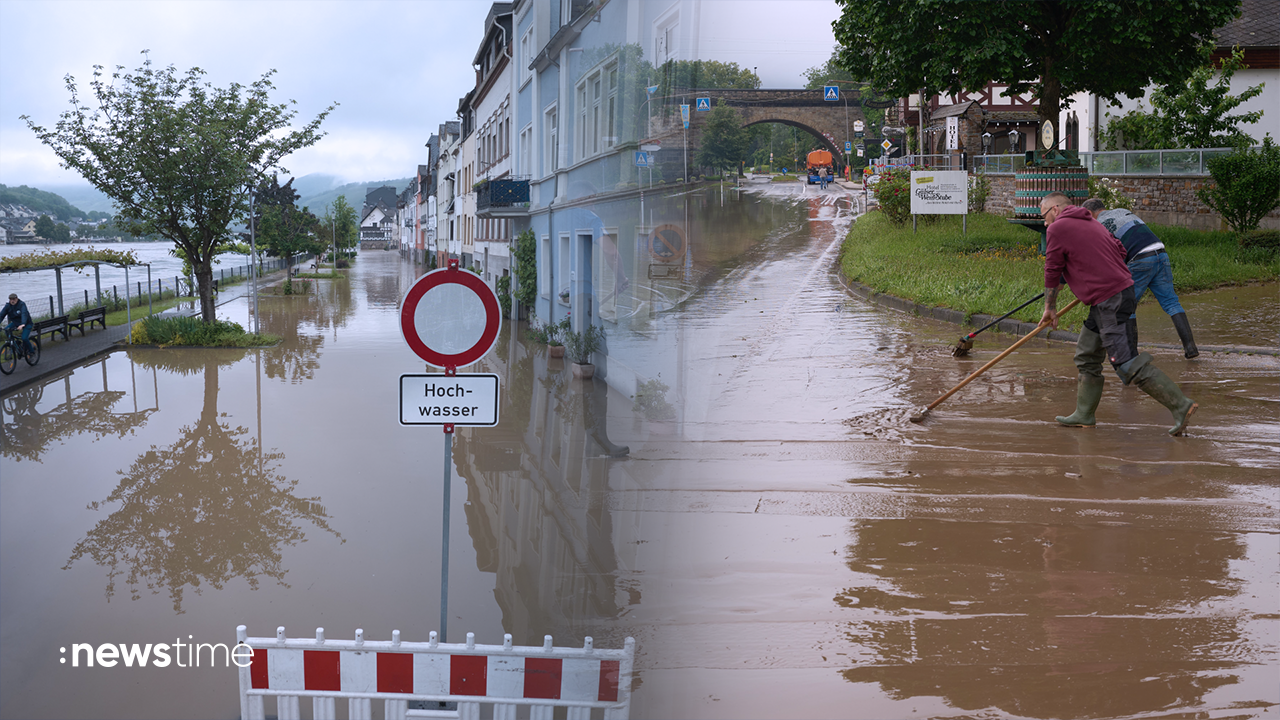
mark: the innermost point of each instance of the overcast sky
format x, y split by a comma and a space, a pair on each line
396, 68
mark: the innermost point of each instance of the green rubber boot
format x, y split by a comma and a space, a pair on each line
1088, 395
1152, 381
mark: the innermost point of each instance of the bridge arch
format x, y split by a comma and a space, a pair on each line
830, 122
827, 143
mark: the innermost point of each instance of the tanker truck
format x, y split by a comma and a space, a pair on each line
817, 160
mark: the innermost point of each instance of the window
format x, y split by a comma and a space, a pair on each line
666, 32
544, 267
562, 274
526, 151
551, 146
526, 56
597, 97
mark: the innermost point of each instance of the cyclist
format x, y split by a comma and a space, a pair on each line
16, 311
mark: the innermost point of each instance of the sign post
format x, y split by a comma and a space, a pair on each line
449, 318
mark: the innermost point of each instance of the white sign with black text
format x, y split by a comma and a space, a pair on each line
470, 399
939, 192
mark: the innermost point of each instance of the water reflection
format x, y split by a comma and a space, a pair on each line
297, 357
209, 508
537, 508
26, 432
1043, 621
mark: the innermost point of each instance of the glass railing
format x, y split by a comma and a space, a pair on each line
1122, 162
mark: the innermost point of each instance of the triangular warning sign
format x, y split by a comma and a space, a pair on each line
832, 93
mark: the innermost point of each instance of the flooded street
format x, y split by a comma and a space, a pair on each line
779, 540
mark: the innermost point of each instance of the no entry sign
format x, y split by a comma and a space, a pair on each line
450, 318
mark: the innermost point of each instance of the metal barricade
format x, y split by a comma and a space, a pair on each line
503, 676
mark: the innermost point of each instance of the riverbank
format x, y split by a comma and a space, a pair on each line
997, 265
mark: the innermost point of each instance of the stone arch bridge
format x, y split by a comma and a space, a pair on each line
829, 121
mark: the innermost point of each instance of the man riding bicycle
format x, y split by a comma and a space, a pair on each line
16, 311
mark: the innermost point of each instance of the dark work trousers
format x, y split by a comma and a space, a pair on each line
1107, 319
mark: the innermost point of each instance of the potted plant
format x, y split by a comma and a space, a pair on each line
553, 332
580, 346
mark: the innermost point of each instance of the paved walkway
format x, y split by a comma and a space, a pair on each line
58, 355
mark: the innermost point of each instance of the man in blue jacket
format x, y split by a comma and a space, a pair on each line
1149, 265
16, 311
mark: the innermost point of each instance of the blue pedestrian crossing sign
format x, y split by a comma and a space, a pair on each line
830, 92
644, 159
704, 104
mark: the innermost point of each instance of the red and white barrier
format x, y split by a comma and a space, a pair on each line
505, 676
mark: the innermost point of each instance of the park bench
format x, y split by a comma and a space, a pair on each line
51, 327
89, 317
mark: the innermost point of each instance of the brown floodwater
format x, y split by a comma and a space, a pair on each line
777, 537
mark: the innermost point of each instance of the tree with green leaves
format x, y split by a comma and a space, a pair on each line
1049, 48
282, 228
339, 227
704, 75
1193, 114
44, 227
1246, 185
61, 233
178, 156
724, 141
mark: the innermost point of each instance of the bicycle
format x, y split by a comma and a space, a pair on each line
12, 349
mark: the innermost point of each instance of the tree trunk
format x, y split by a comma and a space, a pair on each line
204, 284
1050, 99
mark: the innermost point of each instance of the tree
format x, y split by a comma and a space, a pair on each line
345, 223
1246, 185
177, 156
1190, 114
281, 227
704, 75
44, 227
61, 233
1049, 48
724, 140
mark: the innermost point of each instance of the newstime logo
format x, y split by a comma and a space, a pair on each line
159, 654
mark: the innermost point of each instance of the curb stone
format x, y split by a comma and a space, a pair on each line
1010, 327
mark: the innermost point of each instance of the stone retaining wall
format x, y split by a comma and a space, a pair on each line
1158, 199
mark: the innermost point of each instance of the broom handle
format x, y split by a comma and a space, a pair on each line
1005, 316
999, 357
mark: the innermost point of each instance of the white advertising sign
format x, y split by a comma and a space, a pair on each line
953, 133
470, 399
939, 192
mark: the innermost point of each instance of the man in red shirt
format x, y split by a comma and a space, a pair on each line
1080, 251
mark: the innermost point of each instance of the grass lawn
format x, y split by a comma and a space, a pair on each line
998, 265
120, 317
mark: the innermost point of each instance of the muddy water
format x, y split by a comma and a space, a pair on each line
777, 538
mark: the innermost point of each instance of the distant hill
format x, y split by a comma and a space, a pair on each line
48, 203
63, 202
85, 196
353, 192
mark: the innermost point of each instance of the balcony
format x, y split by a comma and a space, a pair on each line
506, 198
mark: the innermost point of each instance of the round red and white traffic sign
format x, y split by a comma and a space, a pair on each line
450, 317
